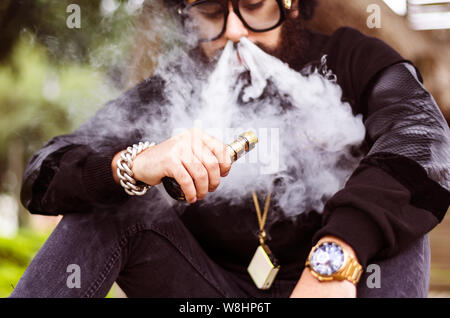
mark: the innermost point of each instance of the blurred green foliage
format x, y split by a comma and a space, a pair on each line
46, 19
39, 100
15, 254
52, 78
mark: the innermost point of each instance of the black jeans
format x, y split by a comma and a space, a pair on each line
154, 255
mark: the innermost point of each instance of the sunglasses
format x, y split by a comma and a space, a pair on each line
208, 18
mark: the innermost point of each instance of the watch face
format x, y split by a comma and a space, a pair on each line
327, 259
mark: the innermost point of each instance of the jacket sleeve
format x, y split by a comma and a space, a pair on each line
399, 191
72, 173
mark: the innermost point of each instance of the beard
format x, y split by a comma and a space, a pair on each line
293, 44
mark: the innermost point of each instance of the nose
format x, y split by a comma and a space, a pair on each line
235, 28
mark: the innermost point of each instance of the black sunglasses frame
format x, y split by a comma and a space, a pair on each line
235, 3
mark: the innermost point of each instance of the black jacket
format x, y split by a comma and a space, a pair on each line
398, 193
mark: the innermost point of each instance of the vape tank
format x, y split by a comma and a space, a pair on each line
239, 147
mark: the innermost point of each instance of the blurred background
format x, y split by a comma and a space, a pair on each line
54, 74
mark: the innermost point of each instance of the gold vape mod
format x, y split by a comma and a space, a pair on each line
239, 147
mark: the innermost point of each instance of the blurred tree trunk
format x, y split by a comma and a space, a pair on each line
428, 50
14, 180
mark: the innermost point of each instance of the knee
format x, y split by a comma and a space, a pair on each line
404, 275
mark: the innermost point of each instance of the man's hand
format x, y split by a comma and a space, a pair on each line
310, 287
194, 159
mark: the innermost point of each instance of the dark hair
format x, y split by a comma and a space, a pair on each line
306, 7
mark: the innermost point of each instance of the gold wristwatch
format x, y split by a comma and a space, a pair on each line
329, 261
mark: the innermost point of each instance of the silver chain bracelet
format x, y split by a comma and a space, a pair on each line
124, 165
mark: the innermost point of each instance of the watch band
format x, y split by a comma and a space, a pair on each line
351, 271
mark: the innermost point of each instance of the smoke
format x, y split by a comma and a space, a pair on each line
306, 134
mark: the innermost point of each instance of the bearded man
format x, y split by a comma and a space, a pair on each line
396, 194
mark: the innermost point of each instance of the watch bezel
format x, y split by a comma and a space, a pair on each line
336, 273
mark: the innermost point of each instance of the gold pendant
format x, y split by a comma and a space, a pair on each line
263, 267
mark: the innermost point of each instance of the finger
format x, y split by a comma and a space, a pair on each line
221, 151
198, 173
184, 179
211, 164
